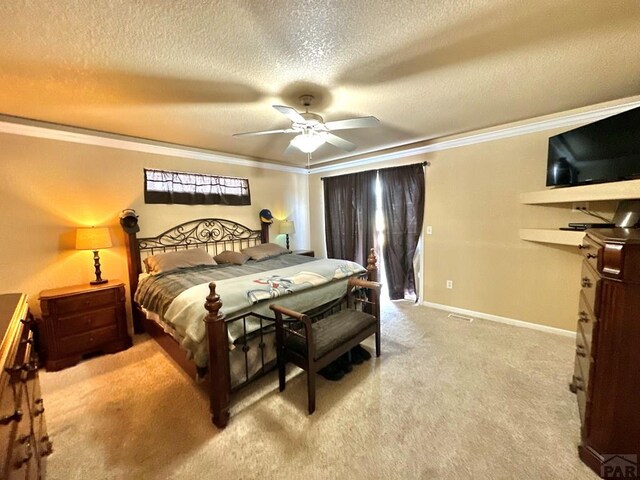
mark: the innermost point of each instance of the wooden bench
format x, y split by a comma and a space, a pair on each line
313, 345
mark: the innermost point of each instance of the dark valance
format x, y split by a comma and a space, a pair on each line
161, 186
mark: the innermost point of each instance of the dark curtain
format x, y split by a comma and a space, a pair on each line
349, 215
403, 191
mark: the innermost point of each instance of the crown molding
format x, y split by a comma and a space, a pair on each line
63, 133
530, 126
51, 131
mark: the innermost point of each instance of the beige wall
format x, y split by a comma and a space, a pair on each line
50, 187
474, 209
473, 206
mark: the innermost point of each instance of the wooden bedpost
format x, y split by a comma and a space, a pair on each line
372, 275
372, 266
219, 381
129, 223
264, 232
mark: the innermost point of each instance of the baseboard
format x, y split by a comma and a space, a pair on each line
498, 319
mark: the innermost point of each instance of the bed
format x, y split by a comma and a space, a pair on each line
237, 342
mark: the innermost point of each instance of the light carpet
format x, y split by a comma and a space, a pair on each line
448, 399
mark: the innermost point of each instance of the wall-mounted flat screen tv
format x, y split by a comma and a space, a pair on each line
604, 151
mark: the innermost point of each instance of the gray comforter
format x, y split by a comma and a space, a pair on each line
297, 282
155, 293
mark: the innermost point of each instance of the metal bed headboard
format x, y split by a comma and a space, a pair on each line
215, 235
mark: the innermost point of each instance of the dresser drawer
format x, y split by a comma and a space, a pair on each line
592, 253
22, 423
22, 461
582, 406
86, 301
21, 355
43, 444
590, 283
9, 400
578, 387
73, 325
85, 342
583, 359
586, 323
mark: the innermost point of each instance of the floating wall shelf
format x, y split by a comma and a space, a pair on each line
547, 235
585, 193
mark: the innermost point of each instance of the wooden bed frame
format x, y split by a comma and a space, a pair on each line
215, 235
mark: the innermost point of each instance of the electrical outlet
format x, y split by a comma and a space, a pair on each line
580, 206
449, 283
429, 230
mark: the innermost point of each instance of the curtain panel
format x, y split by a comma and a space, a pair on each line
403, 194
161, 186
349, 210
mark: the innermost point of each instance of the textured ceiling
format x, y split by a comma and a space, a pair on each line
195, 72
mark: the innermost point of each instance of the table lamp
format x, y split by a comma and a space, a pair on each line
94, 239
287, 227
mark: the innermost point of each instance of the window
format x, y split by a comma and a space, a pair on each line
378, 207
161, 186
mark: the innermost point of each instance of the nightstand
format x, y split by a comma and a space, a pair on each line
82, 319
306, 253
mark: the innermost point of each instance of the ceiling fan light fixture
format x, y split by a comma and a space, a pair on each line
307, 142
313, 131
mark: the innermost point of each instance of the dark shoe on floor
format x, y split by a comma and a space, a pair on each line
359, 354
332, 372
345, 363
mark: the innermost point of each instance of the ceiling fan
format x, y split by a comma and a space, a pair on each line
311, 129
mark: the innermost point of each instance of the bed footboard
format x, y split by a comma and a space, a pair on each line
219, 375
372, 266
209, 233
219, 372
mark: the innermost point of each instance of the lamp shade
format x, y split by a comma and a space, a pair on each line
93, 238
287, 226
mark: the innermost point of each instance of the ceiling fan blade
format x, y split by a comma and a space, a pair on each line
290, 113
263, 132
339, 142
361, 122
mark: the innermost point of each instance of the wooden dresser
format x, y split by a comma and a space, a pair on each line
607, 365
80, 320
24, 442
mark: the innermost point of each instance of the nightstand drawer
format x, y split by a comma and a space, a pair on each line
86, 301
85, 342
67, 326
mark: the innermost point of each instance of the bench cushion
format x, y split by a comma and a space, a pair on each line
332, 331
